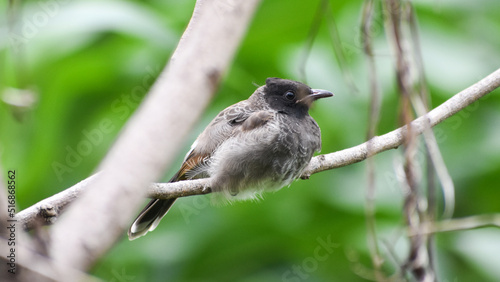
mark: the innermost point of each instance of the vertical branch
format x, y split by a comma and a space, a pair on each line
430, 140
431, 205
434, 159
421, 106
425, 99
374, 113
414, 96
394, 12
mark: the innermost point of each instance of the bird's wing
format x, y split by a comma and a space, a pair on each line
236, 118
257, 119
193, 160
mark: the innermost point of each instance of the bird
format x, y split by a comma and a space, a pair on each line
256, 145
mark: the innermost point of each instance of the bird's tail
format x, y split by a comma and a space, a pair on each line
149, 217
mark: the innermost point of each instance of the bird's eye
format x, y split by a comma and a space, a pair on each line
289, 95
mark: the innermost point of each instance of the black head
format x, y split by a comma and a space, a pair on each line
291, 96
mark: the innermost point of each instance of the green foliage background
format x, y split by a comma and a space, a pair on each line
90, 63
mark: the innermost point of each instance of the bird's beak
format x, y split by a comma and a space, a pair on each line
315, 95
320, 93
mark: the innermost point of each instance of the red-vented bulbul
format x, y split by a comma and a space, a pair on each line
262, 143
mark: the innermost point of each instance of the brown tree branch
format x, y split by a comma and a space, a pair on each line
319, 163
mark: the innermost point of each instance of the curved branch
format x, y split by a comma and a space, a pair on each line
319, 163
355, 154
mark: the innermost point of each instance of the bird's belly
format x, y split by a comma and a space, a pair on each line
243, 168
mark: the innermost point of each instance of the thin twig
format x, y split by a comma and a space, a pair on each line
460, 224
